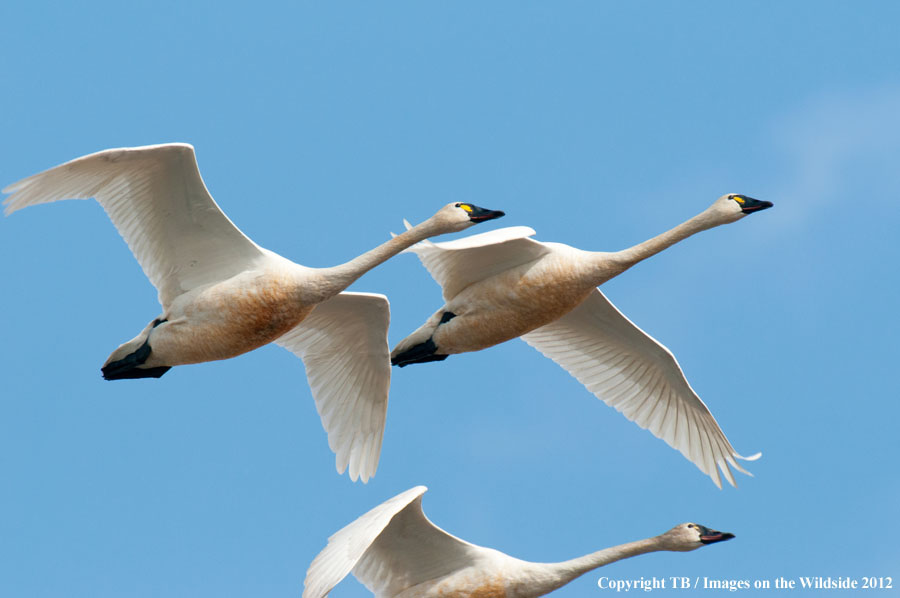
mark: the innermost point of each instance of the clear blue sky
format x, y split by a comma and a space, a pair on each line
318, 128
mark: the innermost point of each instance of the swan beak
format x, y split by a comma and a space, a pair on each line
477, 214
711, 536
750, 205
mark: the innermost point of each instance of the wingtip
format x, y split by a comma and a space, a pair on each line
716, 478
9, 202
726, 471
340, 464
358, 470
367, 469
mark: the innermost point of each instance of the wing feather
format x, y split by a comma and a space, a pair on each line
630, 371
389, 549
343, 344
158, 202
347, 546
412, 550
459, 263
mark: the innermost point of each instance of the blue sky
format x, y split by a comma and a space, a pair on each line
317, 129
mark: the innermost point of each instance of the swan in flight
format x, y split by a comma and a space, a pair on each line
223, 295
396, 552
502, 284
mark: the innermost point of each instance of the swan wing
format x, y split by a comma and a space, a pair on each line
389, 549
412, 550
343, 344
629, 370
346, 546
156, 199
457, 264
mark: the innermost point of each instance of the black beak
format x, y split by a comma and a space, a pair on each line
750, 205
480, 214
711, 536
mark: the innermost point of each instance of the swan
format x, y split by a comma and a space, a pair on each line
396, 552
502, 284
223, 295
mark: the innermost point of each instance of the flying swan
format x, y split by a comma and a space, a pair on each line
396, 552
223, 295
502, 284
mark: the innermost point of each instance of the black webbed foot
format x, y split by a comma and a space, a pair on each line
421, 353
127, 367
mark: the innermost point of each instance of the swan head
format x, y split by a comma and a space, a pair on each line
459, 216
691, 536
735, 206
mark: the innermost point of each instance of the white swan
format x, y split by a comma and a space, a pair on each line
501, 284
396, 552
223, 295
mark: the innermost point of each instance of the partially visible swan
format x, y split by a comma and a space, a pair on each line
223, 295
396, 552
501, 284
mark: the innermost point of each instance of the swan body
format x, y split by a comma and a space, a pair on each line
396, 552
502, 284
223, 295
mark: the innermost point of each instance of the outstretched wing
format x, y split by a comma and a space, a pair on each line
157, 201
457, 264
343, 344
390, 548
632, 372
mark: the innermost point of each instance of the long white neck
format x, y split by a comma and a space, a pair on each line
547, 577
338, 278
610, 264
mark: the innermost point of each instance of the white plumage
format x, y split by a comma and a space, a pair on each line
502, 284
223, 295
396, 552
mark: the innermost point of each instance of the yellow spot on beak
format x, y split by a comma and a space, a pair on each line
466, 207
738, 199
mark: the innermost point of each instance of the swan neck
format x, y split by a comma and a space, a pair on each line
569, 570
343, 275
629, 257
537, 579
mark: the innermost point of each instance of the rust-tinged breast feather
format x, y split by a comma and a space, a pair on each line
491, 587
229, 319
511, 304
